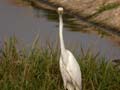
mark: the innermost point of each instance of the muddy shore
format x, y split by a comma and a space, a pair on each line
104, 13
94, 13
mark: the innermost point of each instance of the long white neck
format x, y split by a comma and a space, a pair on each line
61, 34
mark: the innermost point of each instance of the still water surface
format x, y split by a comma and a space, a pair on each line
24, 23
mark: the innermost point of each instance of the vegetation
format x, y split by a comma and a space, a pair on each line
108, 7
38, 69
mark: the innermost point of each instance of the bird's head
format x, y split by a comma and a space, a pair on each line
60, 10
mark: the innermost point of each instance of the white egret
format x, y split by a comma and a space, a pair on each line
70, 70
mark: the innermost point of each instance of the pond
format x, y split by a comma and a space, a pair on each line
25, 23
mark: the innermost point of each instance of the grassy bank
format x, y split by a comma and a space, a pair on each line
38, 69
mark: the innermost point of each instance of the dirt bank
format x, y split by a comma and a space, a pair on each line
103, 12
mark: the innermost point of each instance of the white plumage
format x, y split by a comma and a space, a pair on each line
69, 67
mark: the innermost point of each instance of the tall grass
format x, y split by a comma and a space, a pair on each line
38, 69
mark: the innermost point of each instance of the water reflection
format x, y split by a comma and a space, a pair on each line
69, 22
26, 22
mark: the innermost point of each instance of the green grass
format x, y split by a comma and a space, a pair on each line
38, 69
105, 7
108, 7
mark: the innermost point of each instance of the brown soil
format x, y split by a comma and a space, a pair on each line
89, 9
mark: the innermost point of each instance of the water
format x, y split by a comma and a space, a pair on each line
25, 23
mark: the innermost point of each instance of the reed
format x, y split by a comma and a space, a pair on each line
38, 69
